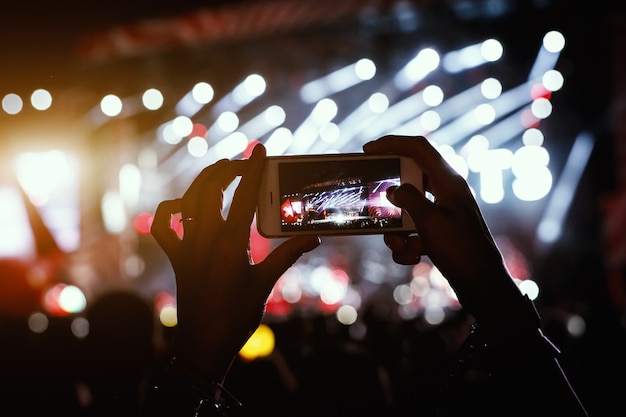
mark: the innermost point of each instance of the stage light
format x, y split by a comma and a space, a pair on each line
549, 228
553, 80
168, 134
339, 80
279, 141
113, 212
264, 122
41, 99
347, 315
197, 146
152, 99
202, 93
426, 61
111, 105
182, 126
12, 103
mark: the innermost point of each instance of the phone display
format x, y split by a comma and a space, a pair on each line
333, 194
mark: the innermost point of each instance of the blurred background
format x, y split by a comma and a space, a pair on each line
107, 110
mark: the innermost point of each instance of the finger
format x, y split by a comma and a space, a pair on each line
203, 201
412, 201
283, 257
406, 250
418, 148
245, 199
161, 228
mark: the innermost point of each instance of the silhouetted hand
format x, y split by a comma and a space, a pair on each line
221, 295
451, 230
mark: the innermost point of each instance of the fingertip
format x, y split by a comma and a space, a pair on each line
258, 151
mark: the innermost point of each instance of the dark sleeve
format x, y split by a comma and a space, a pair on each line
181, 392
506, 371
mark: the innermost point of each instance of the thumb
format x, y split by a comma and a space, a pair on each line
285, 255
409, 198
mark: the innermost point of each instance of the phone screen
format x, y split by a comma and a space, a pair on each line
338, 195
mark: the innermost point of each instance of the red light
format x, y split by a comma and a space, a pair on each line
528, 119
248, 151
198, 129
142, 223
539, 91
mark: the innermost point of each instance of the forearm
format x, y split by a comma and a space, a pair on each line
511, 370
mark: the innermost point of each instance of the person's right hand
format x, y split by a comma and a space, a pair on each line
221, 293
451, 230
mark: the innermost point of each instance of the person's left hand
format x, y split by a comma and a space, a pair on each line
221, 294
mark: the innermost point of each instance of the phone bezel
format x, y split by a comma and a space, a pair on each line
268, 219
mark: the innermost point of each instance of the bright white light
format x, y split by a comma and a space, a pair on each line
432, 95
12, 104
338, 80
279, 141
324, 111
50, 180
553, 80
476, 143
490, 164
529, 288
430, 120
491, 50
41, 99
554, 41
252, 87
346, 315
182, 126
16, 240
72, 300
491, 88
332, 292
152, 99
231, 146
329, 133
169, 135
469, 56
426, 61
541, 108
365, 69
113, 212
41, 174
262, 123
228, 121
485, 114
533, 179
532, 136
111, 105
202, 92
378, 103
275, 115
130, 184
197, 146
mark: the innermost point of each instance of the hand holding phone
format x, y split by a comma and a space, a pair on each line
333, 194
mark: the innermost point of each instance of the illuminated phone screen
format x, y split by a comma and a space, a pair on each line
338, 195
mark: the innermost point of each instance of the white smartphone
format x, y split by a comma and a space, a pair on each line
333, 194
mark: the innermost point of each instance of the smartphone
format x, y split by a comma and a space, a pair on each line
333, 194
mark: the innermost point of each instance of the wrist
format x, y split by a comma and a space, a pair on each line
184, 390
